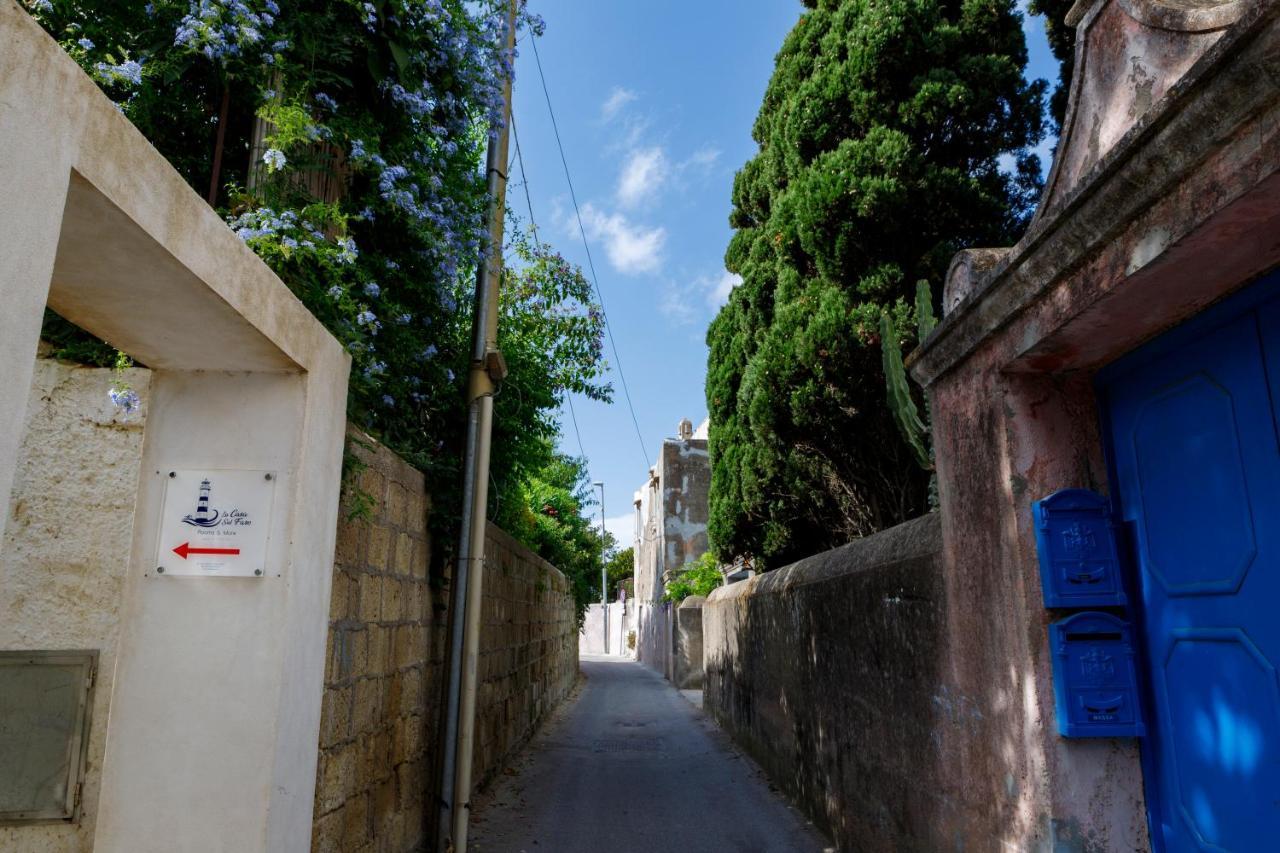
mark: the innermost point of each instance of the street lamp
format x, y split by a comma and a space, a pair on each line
604, 571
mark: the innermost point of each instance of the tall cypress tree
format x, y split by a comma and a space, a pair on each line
892, 134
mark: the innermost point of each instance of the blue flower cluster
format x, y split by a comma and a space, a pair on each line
292, 232
222, 29
370, 323
275, 159
129, 71
349, 253
125, 399
416, 103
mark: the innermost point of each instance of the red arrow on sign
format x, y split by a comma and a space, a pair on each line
185, 548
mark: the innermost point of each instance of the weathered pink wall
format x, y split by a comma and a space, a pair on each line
1178, 206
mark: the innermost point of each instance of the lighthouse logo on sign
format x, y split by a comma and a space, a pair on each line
207, 516
225, 532
204, 516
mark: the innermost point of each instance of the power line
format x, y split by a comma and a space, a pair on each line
533, 229
573, 416
524, 177
595, 279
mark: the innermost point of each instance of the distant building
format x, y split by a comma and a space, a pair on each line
671, 511
671, 530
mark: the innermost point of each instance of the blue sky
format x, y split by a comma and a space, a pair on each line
655, 102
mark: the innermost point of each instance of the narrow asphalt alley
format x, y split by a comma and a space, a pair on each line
631, 766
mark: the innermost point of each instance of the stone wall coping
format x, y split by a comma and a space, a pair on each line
1237, 80
1185, 15
522, 551
907, 542
693, 602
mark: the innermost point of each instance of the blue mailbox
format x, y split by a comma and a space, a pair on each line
1095, 682
1076, 542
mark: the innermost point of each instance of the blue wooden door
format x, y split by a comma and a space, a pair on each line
1194, 446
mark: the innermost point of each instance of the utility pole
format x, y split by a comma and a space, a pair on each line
488, 368
604, 571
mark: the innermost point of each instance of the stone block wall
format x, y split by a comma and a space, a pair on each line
528, 649
377, 780
387, 645
829, 673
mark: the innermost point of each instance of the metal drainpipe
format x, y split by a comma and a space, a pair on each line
487, 369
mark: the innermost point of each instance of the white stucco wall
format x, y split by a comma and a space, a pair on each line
66, 550
619, 622
648, 543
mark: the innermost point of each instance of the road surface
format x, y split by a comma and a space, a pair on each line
628, 765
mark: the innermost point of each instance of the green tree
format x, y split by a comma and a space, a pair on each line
619, 568
550, 333
551, 518
697, 577
881, 138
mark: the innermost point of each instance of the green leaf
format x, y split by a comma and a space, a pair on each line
401, 56
901, 403
925, 321
377, 68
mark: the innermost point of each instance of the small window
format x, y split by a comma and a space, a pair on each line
45, 700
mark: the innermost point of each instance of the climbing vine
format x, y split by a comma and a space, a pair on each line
342, 141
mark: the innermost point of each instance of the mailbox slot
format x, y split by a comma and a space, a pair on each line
1076, 544
1095, 681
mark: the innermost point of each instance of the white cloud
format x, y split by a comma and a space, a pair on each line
676, 305
617, 99
643, 174
684, 306
631, 248
704, 158
718, 289
560, 210
623, 527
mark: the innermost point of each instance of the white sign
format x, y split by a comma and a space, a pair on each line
215, 523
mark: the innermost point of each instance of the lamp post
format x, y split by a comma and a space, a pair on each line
604, 571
